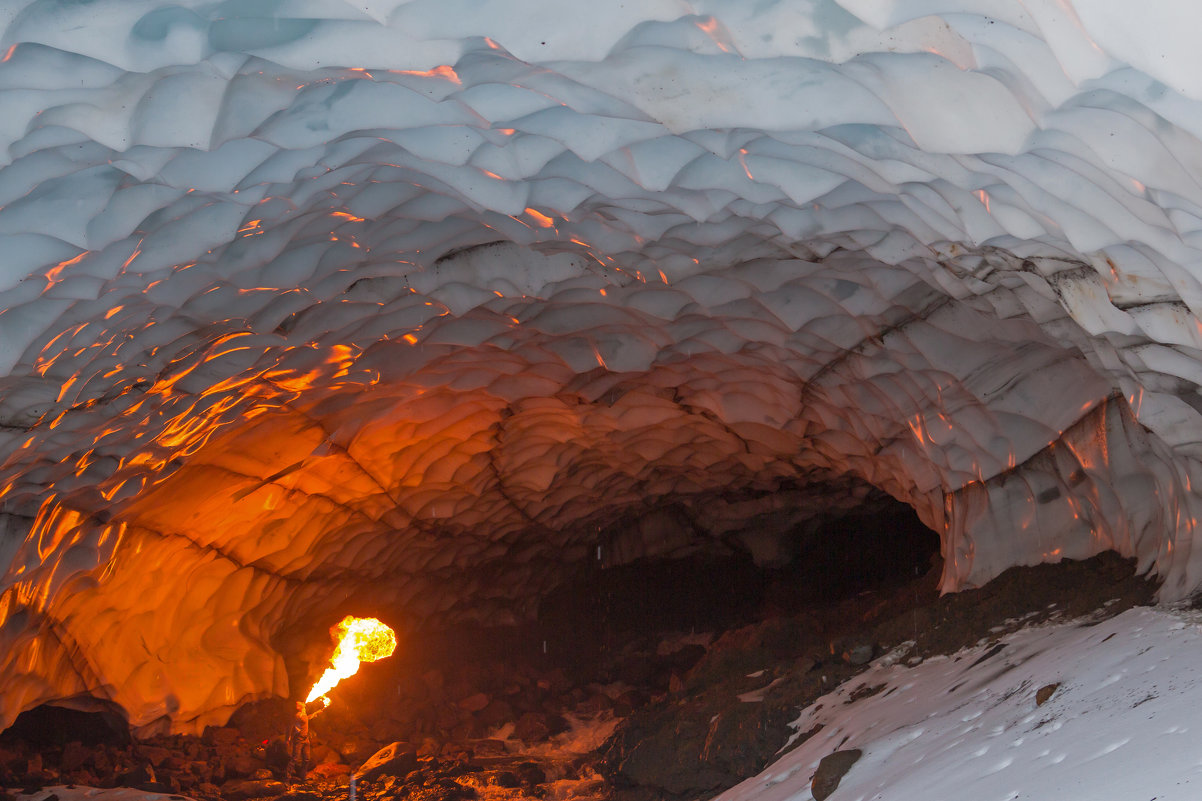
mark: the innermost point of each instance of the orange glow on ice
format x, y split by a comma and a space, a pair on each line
540, 219
743, 163
442, 71
712, 30
55, 274
360, 639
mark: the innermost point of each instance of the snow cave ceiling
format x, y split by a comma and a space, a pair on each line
311, 303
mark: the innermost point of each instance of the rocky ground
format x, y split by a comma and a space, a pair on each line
630, 710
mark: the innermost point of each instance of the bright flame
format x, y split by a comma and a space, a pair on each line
360, 639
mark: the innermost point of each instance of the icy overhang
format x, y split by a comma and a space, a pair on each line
310, 305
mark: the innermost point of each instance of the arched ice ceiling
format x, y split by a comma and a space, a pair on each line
313, 304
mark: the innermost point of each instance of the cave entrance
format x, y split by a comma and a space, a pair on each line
874, 549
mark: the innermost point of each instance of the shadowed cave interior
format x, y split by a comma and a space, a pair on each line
580, 627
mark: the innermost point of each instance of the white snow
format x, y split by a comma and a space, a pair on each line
1122, 725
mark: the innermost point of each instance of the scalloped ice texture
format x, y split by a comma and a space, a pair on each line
410, 306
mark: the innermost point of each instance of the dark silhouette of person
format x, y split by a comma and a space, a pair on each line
298, 744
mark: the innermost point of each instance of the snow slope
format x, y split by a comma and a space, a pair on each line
1121, 726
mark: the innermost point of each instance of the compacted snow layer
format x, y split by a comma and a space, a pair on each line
1121, 725
405, 308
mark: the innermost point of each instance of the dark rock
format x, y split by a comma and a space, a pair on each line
490, 748
330, 770
241, 789
85, 777
683, 659
497, 713
447, 790
220, 735
475, 702
553, 682
595, 704
301, 795
448, 717
706, 741
858, 654
396, 759
660, 751
1044, 693
102, 762
273, 752
750, 648
743, 737
156, 787
75, 754
532, 727
629, 701
208, 790
155, 755
262, 720
531, 774
140, 774
831, 771
8, 757
239, 764
387, 730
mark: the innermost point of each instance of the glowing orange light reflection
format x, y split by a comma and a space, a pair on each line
445, 71
540, 219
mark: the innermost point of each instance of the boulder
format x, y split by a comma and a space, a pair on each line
239, 763
154, 754
497, 713
489, 748
475, 702
75, 754
534, 727
531, 774
330, 770
859, 653
831, 770
1045, 692
396, 759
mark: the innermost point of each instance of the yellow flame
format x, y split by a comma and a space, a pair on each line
360, 639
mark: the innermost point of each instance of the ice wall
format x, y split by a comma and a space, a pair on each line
309, 305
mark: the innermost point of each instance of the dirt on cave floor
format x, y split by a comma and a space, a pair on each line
630, 711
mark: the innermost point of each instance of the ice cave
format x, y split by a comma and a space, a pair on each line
419, 307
